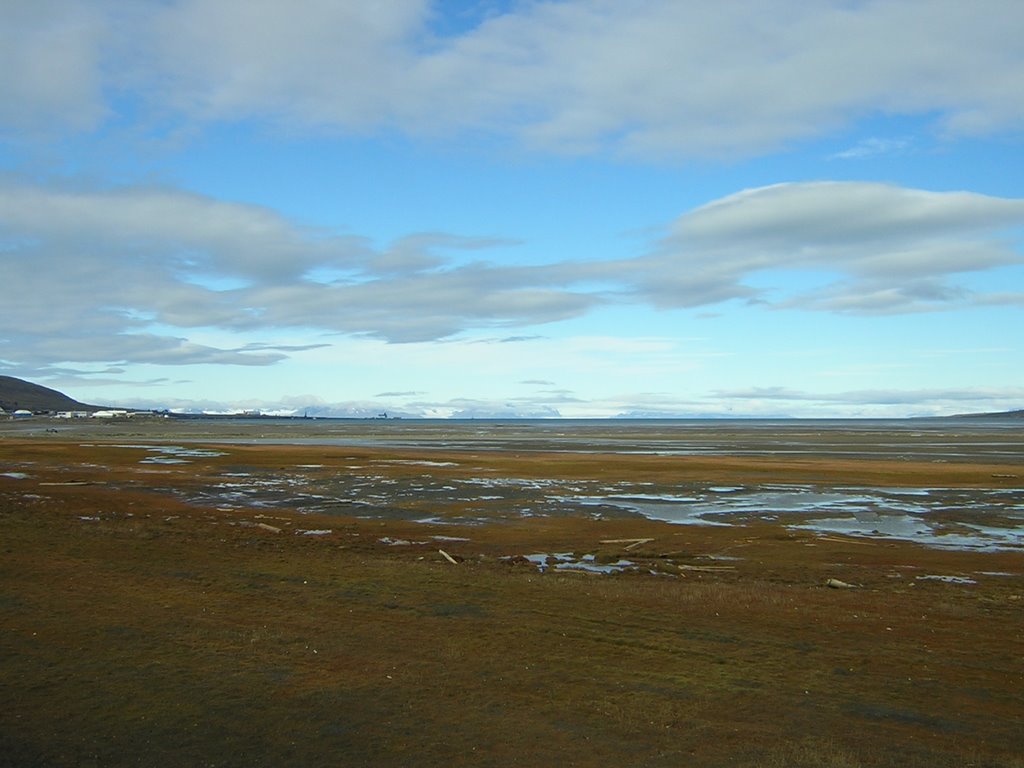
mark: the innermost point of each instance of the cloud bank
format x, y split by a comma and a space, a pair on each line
889, 249
765, 402
647, 78
118, 276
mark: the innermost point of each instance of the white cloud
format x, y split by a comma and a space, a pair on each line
889, 249
50, 64
1002, 298
998, 398
321, 62
645, 77
873, 147
170, 229
100, 275
765, 402
112, 276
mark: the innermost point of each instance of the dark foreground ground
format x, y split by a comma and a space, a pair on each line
140, 626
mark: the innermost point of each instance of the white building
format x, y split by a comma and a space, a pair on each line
112, 414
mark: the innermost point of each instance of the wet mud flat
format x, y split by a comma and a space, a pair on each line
939, 440
177, 598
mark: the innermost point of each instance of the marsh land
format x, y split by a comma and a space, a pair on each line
402, 593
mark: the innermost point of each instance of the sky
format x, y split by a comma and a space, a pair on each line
581, 208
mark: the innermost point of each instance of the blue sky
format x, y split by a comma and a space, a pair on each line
582, 208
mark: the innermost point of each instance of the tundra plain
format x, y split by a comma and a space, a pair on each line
267, 593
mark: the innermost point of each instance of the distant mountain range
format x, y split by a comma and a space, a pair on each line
18, 394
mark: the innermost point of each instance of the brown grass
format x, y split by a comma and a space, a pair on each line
169, 634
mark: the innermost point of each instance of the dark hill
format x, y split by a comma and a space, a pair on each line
1019, 414
18, 394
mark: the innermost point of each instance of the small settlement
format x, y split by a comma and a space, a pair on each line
110, 413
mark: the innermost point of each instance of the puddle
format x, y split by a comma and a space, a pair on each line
452, 521
567, 561
960, 518
586, 563
983, 519
418, 462
948, 579
14, 475
172, 454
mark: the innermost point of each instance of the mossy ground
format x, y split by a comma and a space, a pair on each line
140, 629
